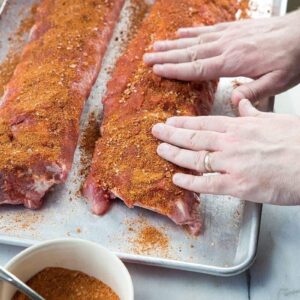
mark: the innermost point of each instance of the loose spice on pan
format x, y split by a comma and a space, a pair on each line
27, 22
63, 284
87, 143
150, 239
146, 238
139, 11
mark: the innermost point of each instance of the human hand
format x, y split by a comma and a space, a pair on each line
256, 155
266, 50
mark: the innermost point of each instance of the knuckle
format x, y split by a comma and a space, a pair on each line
242, 188
175, 153
176, 44
281, 79
159, 57
201, 122
172, 135
210, 183
167, 133
248, 46
230, 138
220, 143
198, 68
184, 122
199, 40
224, 39
212, 140
220, 62
199, 161
193, 140
253, 94
192, 53
229, 33
191, 182
222, 59
230, 48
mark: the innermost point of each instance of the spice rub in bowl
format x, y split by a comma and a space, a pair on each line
64, 284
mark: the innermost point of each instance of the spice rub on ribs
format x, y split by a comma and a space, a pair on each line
125, 163
42, 104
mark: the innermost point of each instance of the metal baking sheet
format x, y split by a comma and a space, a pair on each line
229, 241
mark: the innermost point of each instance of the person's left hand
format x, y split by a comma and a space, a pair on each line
256, 155
266, 50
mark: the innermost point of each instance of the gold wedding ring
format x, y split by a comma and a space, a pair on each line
207, 163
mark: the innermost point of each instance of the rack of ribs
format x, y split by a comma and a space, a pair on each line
41, 108
125, 164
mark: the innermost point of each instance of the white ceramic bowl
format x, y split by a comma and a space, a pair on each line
75, 254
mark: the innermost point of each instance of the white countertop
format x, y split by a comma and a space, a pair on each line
274, 275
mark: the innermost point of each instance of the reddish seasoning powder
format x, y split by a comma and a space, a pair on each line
64, 284
150, 239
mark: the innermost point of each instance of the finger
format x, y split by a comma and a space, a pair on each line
185, 42
182, 55
196, 31
265, 86
209, 123
211, 184
246, 109
188, 139
175, 44
203, 69
192, 160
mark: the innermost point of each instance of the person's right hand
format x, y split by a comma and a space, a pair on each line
254, 156
266, 50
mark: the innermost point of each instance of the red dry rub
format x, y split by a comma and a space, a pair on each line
125, 163
43, 101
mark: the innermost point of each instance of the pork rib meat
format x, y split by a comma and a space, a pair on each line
42, 104
125, 163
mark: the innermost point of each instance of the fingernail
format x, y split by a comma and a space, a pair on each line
237, 96
245, 100
171, 121
157, 69
157, 128
157, 46
181, 32
148, 57
162, 148
177, 179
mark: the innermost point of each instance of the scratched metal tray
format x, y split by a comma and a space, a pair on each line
229, 242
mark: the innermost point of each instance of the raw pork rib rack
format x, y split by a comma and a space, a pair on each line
125, 164
42, 105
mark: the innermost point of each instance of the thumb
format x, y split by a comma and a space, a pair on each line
256, 90
246, 109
